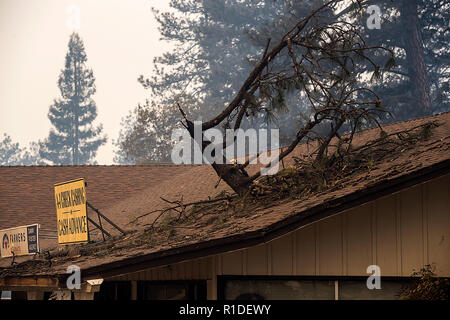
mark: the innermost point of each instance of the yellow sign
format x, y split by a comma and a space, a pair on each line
70, 199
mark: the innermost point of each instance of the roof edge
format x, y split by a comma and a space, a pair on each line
275, 230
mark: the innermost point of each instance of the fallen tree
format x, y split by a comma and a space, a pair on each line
325, 61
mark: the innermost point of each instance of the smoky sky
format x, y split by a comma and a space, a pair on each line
120, 37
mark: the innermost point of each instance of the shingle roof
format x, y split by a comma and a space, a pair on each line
27, 192
426, 160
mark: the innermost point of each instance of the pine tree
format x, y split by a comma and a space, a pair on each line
418, 85
73, 138
415, 55
11, 154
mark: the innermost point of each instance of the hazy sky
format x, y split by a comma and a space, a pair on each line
120, 38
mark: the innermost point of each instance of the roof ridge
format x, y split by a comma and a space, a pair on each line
169, 164
387, 125
419, 118
399, 122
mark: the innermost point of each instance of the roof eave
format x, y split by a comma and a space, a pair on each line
244, 240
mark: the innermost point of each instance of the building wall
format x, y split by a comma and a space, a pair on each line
400, 233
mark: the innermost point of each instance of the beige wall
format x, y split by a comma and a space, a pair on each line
400, 233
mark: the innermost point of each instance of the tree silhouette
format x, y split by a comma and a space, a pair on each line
416, 31
73, 138
11, 154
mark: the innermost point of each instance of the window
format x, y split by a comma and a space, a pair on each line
279, 290
357, 290
18, 295
114, 290
307, 288
6, 295
171, 290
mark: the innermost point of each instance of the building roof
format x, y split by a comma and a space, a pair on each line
141, 248
27, 192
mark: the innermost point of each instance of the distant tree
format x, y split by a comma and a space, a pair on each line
73, 139
122, 155
433, 17
31, 155
417, 31
11, 154
217, 44
210, 40
413, 44
145, 134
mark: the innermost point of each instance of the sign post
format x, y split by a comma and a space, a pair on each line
70, 200
19, 241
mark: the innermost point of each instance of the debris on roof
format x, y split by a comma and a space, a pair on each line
169, 223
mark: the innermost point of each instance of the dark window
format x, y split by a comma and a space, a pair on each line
114, 290
171, 290
279, 290
47, 295
307, 288
357, 290
19, 295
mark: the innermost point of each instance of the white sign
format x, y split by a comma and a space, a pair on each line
19, 241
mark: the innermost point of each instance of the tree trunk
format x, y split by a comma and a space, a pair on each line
237, 179
75, 159
414, 55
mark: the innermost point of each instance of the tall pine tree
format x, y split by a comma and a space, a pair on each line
417, 31
73, 138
